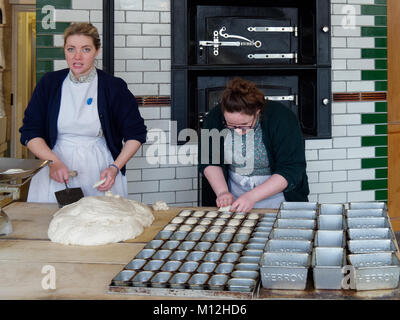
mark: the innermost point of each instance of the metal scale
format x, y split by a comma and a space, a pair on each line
11, 182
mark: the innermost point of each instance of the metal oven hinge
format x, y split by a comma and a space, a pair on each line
216, 43
274, 29
273, 56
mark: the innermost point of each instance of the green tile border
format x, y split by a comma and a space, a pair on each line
372, 163
373, 10
370, 118
373, 75
381, 173
381, 107
374, 184
381, 195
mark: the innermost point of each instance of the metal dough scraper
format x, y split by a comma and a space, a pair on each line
69, 195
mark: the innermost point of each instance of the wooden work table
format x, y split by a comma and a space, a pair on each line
85, 272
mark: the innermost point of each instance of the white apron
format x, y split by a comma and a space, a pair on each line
80, 146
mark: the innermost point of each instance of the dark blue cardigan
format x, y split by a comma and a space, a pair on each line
118, 111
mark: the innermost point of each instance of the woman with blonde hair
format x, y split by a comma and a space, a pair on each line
82, 119
262, 161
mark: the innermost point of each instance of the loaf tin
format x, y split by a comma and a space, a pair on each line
331, 222
295, 223
370, 246
327, 264
365, 223
331, 208
297, 214
298, 205
292, 234
370, 233
366, 213
375, 271
367, 205
330, 238
282, 270
300, 246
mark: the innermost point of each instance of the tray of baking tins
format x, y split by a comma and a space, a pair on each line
200, 253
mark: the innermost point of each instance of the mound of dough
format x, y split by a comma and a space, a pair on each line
99, 220
160, 205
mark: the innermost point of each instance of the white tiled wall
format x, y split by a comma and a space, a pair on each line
143, 53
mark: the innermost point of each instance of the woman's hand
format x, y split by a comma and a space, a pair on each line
59, 171
110, 175
225, 199
244, 203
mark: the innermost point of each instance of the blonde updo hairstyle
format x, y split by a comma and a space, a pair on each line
85, 29
242, 96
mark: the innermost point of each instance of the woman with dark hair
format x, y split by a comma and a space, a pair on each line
79, 118
262, 160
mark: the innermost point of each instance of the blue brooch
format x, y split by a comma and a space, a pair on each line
89, 101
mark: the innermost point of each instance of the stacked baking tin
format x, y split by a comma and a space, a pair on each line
202, 250
372, 250
287, 254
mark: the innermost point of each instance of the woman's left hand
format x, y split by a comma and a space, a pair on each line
110, 174
244, 203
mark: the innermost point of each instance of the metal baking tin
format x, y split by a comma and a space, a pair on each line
258, 240
255, 246
249, 259
230, 257
298, 205
327, 264
292, 234
370, 233
171, 266
301, 246
122, 278
221, 246
160, 279
206, 267
295, 223
370, 246
284, 270
187, 245
178, 255
178, 280
154, 244
142, 278
171, 244
331, 208
203, 246
331, 222
198, 280
217, 282
245, 274
163, 235
145, 254
224, 268
297, 214
356, 223
365, 213
213, 256
135, 264
330, 238
239, 284
153, 265
247, 266
375, 271
189, 266
367, 205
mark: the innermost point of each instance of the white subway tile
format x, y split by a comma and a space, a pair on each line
155, 149
99, 27
361, 2
134, 175
156, 5
332, 154
361, 107
143, 65
127, 28
339, 42
119, 41
150, 198
119, 16
331, 176
339, 64
361, 130
119, 65
360, 153
130, 77
142, 163
148, 113
338, 86
142, 16
126, 4
158, 174
346, 75
346, 32
128, 53
157, 77
143, 89
361, 196
360, 86
319, 166
352, 164
363, 174
338, 53
313, 197
146, 186
165, 112
157, 124
186, 172
96, 16
311, 155
332, 198
176, 185
320, 187
339, 131
87, 4
346, 119
346, 9
165, 17
135, 196
337, 20
165, 65
195, 184
64, 15
365, 20
166, 41
143, 41
186, 196
157, 53
165, 89
366, 42
156, 28
346, 142
360, 64
318, 144
313, 177
338, 1
346, 186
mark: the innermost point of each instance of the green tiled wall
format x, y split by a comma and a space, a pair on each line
379, 118
45, 51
